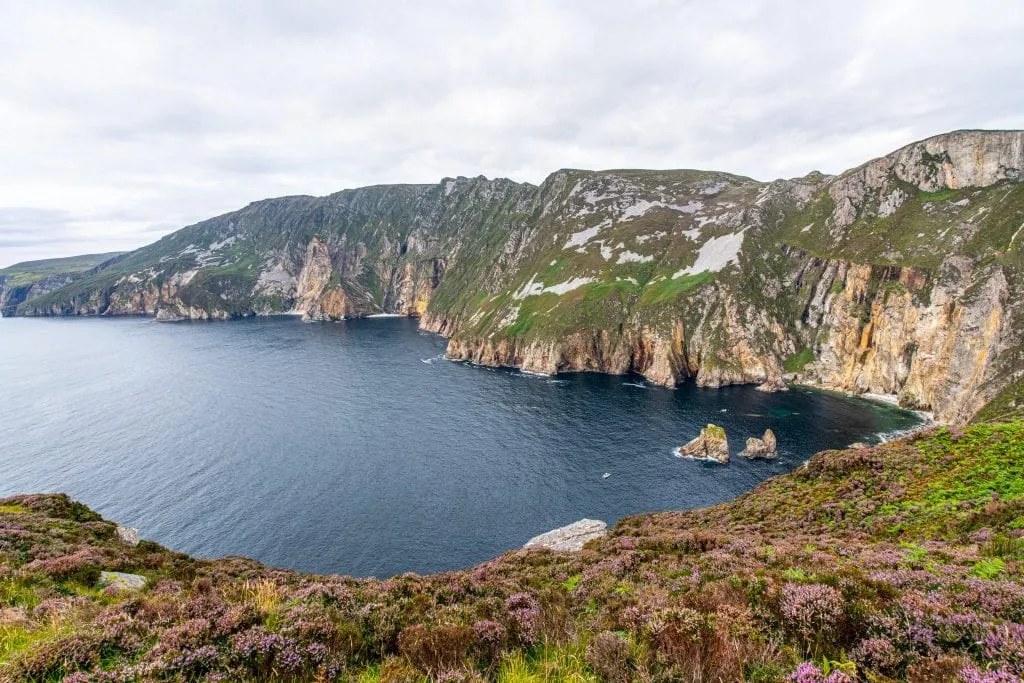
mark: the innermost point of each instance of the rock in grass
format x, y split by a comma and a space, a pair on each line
711, 444
571, 537
764, 448
122, 581
128, 535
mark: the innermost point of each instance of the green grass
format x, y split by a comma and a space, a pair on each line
28, 272
13, 509
797, 361
548, 663
1008, 404
938, 196
669, 289
959, 478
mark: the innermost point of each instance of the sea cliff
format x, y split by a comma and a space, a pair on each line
900, 277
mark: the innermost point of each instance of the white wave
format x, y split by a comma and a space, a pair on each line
678, 452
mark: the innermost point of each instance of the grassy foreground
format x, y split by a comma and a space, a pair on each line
897, 562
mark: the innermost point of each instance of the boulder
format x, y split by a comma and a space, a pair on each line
570, 538
711, 444
763, 448
128, 535
773, 385
121, 581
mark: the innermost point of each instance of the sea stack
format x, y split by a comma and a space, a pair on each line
764, 448
711, 444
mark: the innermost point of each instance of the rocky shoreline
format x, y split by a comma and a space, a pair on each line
898, 277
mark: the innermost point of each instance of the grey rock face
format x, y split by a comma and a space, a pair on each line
764, 448
128, 535
122, 581
569, 538
672, 275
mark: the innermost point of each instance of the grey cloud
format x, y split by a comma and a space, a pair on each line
123, 120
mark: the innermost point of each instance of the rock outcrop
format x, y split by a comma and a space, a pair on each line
711, 444
569, 538
901, 276
764, 448
128, 535
119, 581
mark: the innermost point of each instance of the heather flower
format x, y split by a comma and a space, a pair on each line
808, 672
261, 649
489, 632
193, 662
877, 654
1005, 644
327, 593
974, 675
524, 610
812, 610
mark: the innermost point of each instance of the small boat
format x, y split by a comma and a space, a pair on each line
606, 475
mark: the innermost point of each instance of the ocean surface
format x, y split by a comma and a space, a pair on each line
354, 448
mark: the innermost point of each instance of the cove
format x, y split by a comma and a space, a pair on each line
354, 448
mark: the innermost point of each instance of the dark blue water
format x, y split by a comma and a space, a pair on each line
352, 448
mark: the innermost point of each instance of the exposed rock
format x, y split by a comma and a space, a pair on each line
128, 535
763, 448
165, 315
711, 444
717, 278
570, 538
773, 385
121, 581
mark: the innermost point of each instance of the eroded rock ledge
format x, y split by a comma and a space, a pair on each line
571, 537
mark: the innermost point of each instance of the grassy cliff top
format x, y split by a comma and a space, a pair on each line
27, 272
900, 561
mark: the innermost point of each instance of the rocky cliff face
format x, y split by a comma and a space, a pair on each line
900, 276
31, 279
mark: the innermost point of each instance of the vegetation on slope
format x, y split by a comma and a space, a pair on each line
901, 561
27, 272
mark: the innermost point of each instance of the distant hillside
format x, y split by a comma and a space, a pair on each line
902, 276
29, 279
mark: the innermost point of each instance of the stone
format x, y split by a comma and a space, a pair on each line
128, 535
764, 448
121, 581
773, 385
569, 538
166, 315
711, 444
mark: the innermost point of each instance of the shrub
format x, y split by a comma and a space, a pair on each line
524, 613
57, 658
608, 655
81, 566
878, 654
437, 649
813, 612
491, 638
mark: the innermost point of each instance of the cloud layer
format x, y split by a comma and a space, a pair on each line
124, 120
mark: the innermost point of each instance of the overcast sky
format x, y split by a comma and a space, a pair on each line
122, 121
